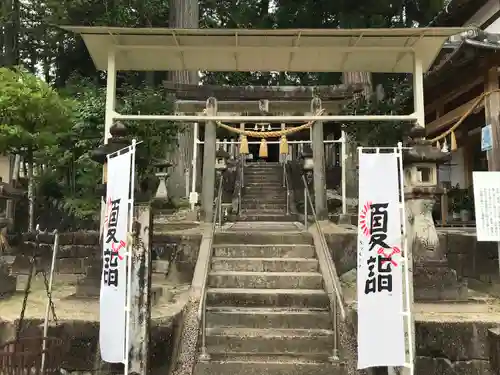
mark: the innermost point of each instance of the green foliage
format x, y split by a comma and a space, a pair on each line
61, 129
32, 113
379, 133
77, 172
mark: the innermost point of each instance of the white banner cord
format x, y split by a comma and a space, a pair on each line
407, 288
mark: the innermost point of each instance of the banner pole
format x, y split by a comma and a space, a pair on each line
129, 256
408, 272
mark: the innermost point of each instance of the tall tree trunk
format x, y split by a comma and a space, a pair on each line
183, 14
10, 12
364, 78
351, 78
31, 194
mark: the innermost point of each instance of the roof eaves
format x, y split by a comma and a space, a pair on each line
457, 12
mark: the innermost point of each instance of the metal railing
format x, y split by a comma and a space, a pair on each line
217, 218
337, 302
242, 181
286, 184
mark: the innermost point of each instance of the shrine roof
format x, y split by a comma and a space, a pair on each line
252, 106
7, 191
292, 50
271, 93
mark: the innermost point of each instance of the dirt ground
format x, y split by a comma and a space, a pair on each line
70, 308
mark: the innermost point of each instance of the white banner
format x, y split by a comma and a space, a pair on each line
487, 205
114, 273
381, 331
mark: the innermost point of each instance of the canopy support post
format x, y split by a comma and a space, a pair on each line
418, 91
110, 94
318, 149
209, 150
109, 115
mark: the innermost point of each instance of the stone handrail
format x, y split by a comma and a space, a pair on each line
329, 272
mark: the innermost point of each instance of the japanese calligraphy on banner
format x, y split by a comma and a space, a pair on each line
487, 205
114, 271
381, 332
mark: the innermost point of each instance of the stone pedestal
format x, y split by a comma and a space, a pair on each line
434, 280
7, 281
494, 350
7, 284
90, 285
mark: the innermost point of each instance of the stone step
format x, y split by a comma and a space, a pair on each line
267, 227
268, 365
256, 167
265, 280
253, 340
263, 174
267, 192
258, 199
264, 264
247, 317
250, 197
263, 206
266, 217
267, 297
263, 238
270, 180
264, 251
264, 190
253, 168
267, 211
256, 179
263, 185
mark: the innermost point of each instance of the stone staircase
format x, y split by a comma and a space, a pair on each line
267, 311
264, 197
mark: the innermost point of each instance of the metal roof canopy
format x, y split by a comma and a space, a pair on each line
292, 50
410, 50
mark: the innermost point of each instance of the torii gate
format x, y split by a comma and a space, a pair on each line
410, 50
282, 100
334, 50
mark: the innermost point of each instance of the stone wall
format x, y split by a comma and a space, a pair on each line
180, 250
450, 347
448, 343
470, 258
80, 352
453, 348
77, 251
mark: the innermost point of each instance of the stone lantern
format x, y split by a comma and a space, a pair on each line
307, 160
432, 278
421, 174
7, 281
162, 172
117, 141
221, 157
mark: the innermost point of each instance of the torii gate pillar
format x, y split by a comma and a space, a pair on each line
209, 150
318, 149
